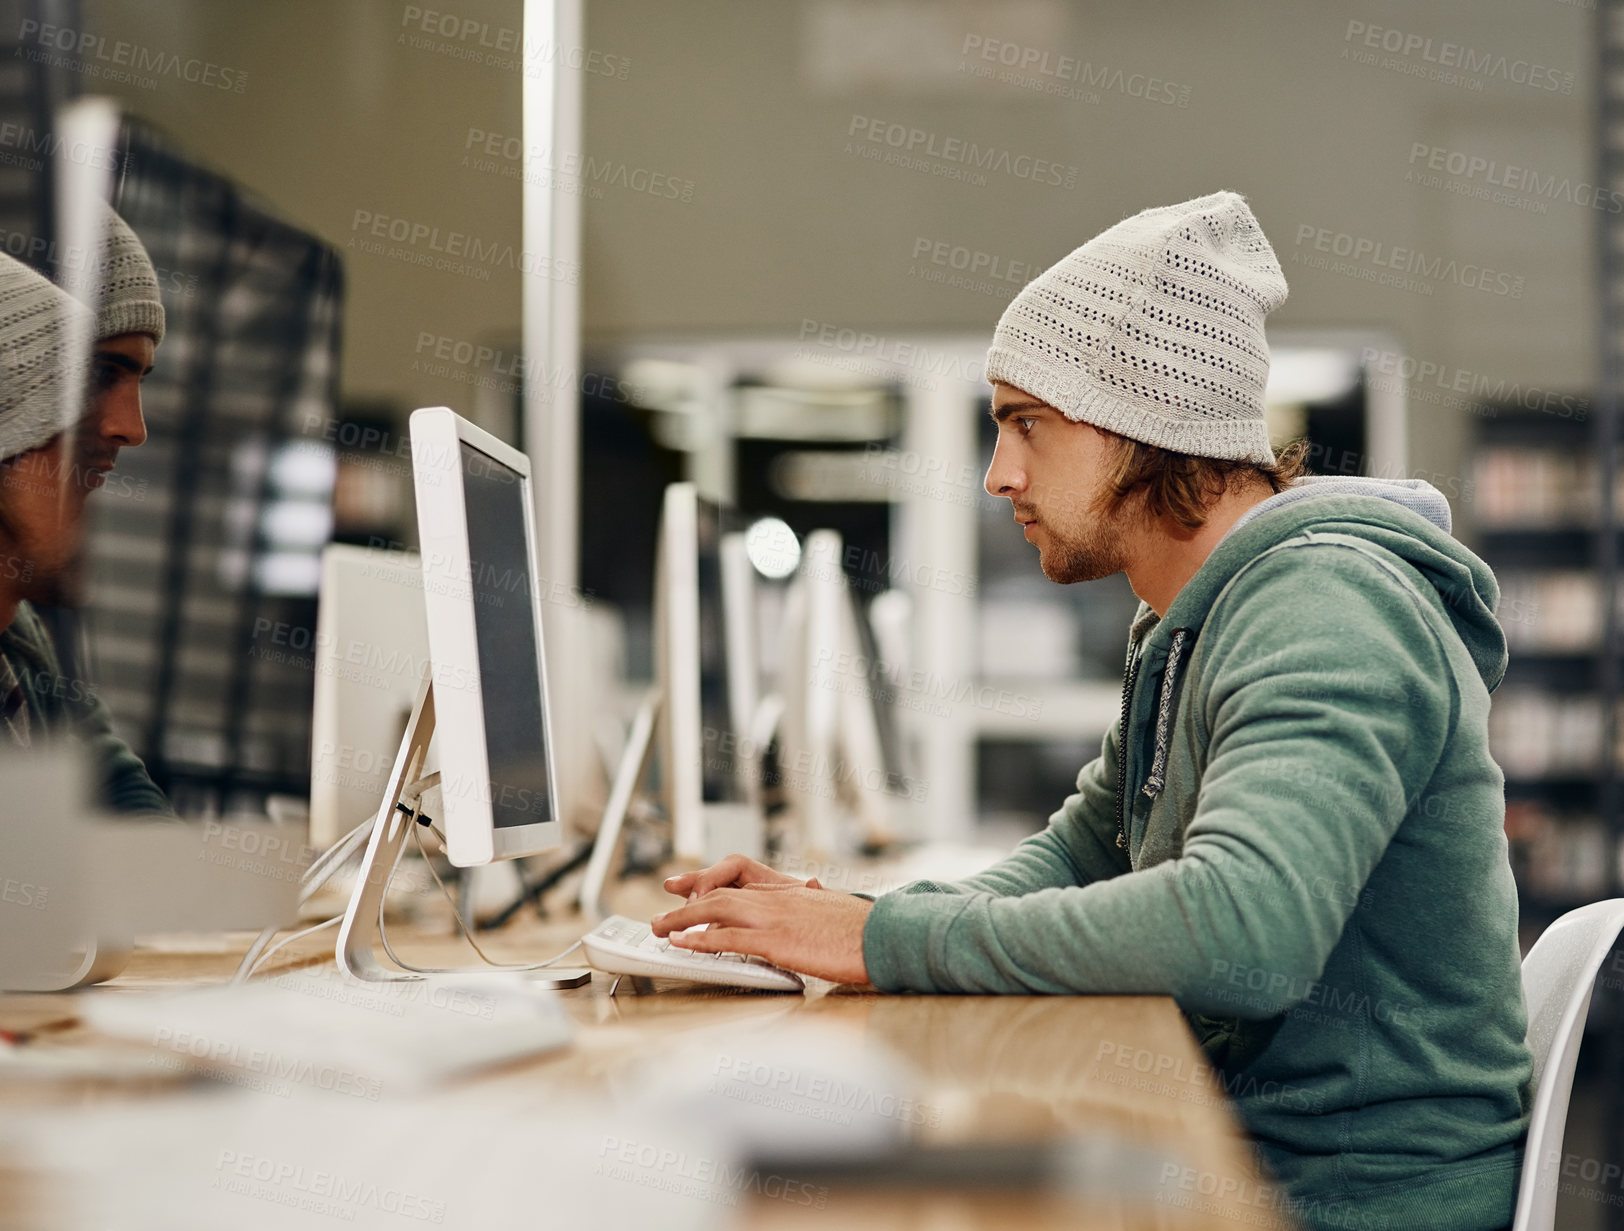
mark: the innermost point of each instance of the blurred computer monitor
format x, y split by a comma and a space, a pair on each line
372, 646
837, 769
704, 663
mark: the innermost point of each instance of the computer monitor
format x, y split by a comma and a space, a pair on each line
843, 787
476, 527
482, 702
702, 614
372, 647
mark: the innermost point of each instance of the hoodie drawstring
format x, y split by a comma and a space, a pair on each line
1164, 714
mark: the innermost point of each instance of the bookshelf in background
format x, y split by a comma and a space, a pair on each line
1535, 508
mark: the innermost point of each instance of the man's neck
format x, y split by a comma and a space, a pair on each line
1169, 555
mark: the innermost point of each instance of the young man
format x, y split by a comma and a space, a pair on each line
1296, 830
49, 465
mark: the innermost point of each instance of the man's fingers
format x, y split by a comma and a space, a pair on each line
719, 875
724, 906
721, 940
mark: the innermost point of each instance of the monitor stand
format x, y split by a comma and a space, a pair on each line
362, 951
628, 776
729, 827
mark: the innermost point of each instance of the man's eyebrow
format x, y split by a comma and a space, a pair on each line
123, 361
1000, 413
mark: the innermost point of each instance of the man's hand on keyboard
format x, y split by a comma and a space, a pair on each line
813, 931
734, 872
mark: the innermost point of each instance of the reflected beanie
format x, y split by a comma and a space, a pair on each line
1153, 330
37, 319
129, 285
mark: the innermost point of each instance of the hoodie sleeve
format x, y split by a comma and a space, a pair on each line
1078, 847
72, 705
1309, 767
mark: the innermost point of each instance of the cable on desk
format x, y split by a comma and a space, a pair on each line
282, 944
418, 819
319, 872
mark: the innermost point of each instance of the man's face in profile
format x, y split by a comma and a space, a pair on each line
1054, 472
43, 491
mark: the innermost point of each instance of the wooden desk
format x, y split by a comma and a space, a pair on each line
991, 1069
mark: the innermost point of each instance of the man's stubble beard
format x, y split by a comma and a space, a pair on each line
1095, 548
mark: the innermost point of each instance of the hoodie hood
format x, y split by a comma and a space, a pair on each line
1407, 517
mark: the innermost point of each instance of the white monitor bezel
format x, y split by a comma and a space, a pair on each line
676, 665
472, 836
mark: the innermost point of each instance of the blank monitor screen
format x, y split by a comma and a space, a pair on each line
505, 631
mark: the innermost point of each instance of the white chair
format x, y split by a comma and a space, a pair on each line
1557, 977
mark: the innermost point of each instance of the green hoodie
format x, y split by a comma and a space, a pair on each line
59, 706
1315, 864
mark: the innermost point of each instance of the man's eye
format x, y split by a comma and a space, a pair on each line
1026, 422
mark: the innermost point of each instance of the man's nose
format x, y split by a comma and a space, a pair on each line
121, 421
1003, 479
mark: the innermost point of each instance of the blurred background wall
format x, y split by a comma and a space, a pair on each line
731, 189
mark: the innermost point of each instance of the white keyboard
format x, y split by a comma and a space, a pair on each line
624, 946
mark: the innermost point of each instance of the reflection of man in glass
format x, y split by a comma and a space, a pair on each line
49, 465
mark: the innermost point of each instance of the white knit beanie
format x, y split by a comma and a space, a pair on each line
37, 390
36, 320
1154, 330
129, 285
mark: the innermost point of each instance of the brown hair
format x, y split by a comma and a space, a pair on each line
1183, 487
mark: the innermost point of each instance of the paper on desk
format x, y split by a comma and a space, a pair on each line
318, 1030
472, 1158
